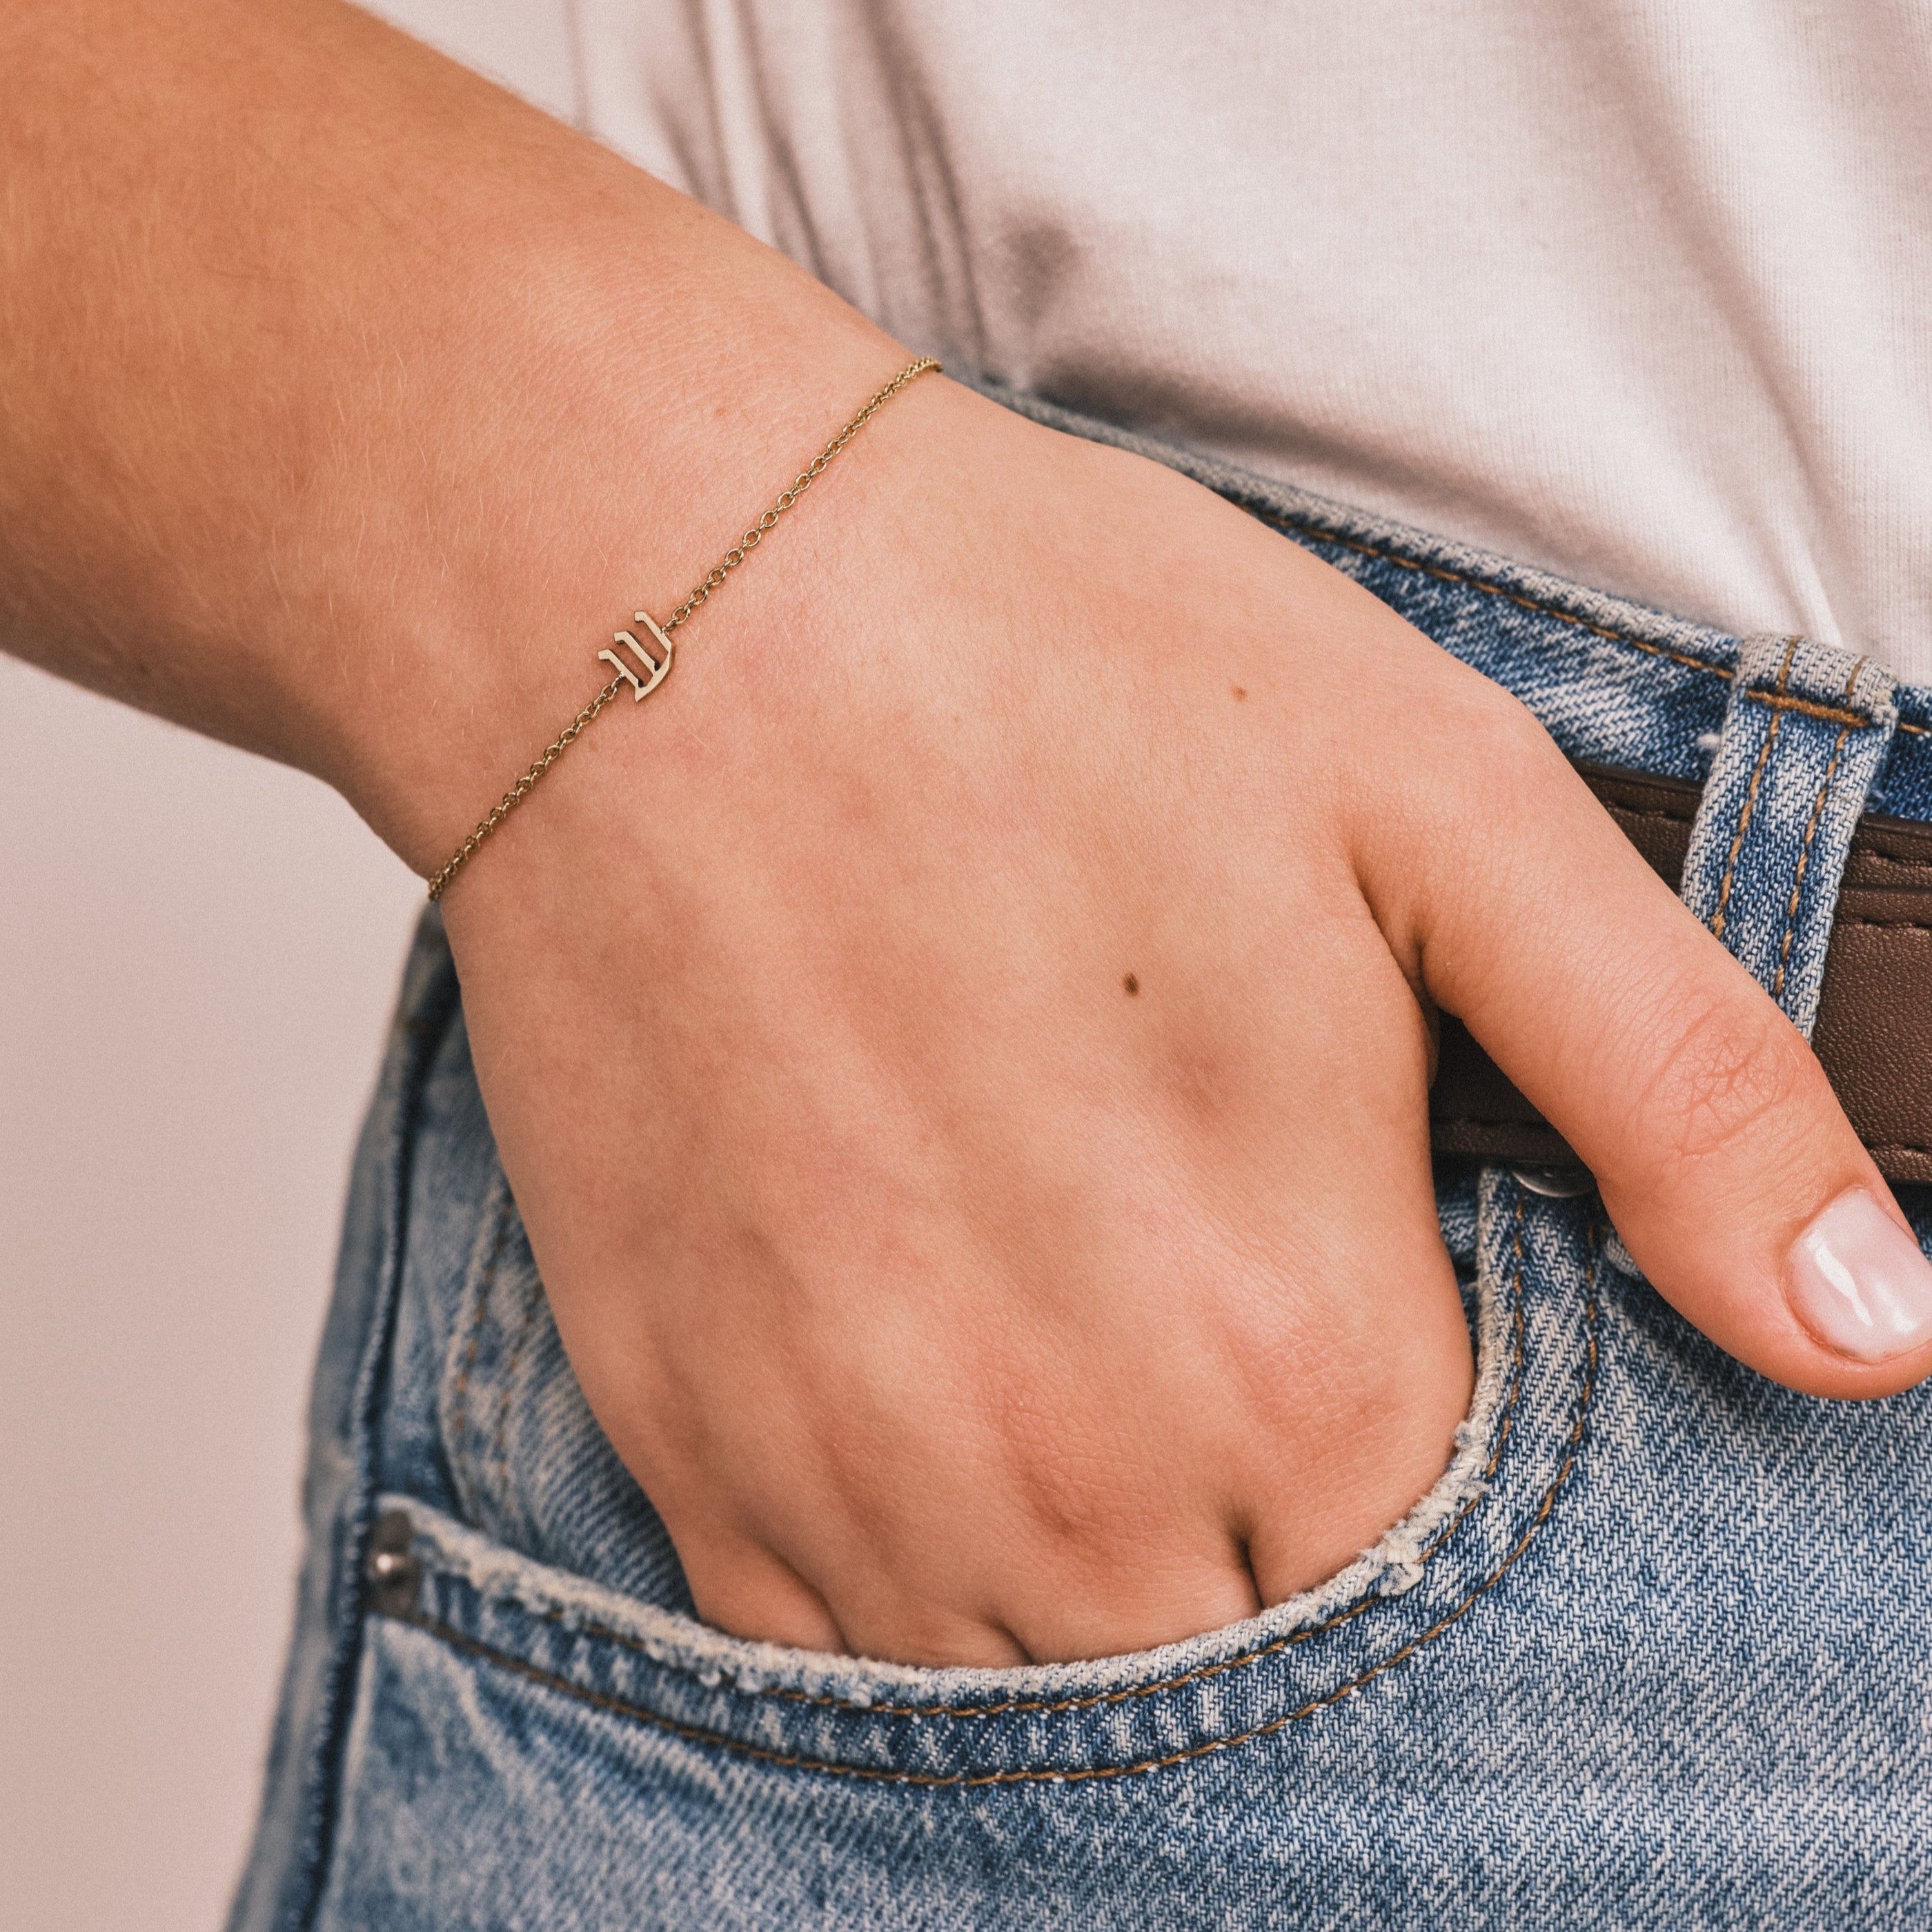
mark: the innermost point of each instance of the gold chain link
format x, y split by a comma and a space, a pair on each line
729, 562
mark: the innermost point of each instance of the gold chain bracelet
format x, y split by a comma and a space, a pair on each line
652, 659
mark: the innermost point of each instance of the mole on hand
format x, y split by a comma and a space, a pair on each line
1131, 985
1239, 691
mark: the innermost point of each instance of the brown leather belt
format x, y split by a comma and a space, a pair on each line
1874, 1031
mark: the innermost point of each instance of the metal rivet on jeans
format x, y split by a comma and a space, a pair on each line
392, 1571
1563, 1182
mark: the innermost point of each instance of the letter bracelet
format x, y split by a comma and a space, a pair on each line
646, 663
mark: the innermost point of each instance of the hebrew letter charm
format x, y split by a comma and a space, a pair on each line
655, 669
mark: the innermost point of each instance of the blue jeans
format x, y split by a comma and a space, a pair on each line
1652, 1653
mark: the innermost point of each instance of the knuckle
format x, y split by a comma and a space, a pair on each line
1736, 1073
1071, 1495
1077, 1482
1487, 761
1497, 734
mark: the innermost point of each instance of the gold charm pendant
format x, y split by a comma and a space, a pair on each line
655, 669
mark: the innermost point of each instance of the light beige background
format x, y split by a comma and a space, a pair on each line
198, 952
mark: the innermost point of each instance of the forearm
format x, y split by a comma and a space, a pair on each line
345, 403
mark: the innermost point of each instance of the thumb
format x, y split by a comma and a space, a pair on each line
1722, 1155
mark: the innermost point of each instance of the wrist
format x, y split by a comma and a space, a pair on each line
598, 473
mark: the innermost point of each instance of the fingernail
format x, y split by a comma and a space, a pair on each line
1857, 1280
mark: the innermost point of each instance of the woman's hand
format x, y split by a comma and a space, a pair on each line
962, 1055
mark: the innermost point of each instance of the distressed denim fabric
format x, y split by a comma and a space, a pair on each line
1651, 1653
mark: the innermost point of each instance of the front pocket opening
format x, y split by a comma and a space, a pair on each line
1515, 1450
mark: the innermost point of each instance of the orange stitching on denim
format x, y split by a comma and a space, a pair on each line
1079, 1774
1462, 578
1717, 920
1832, 714
1804, 861
1014, 1706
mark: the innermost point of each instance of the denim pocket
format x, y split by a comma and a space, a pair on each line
551, 1578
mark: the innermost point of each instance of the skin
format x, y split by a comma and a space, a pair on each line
961, 1052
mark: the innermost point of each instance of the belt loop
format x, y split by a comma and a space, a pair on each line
1805, 732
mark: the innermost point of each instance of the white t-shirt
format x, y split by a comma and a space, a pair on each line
1639, 290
